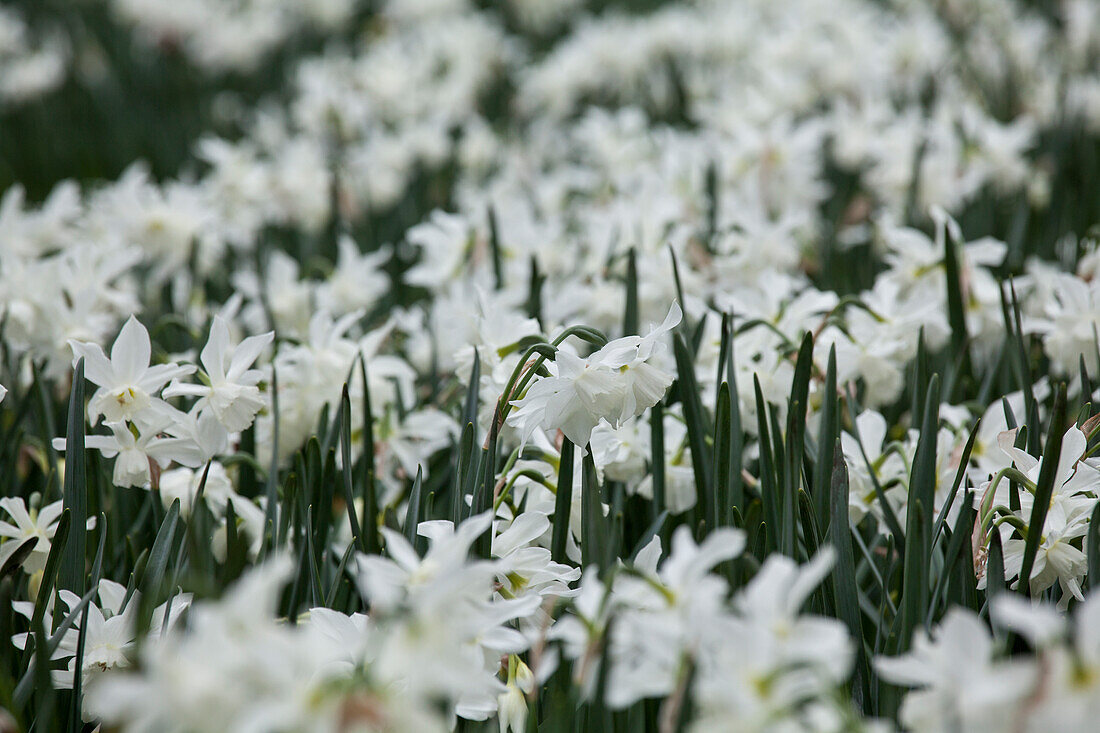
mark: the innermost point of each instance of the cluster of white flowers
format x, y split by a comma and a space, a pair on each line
757, 171
147, 434
436, 633
655, 623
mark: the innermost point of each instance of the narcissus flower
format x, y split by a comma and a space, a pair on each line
128, 385
230, 388
616, 383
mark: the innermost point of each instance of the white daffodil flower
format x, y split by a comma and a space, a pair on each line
617, 382
128, 385
230, 388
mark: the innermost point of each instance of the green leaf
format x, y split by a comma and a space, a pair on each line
43, 685
684, 327
956, 315
465, 472
153, 577
495, 249
78, 659
563, 502
918, 526
236, 555
736, 484
845, 586
330, 599
795, 440
1022, 364
960, 536
718, 513
593, 531
470, 406
313, 564
657, 456
73, 575
347, 483
630, 314
1044, 488
827, 436
767, 466
412, 511
271, 486
534, 291
698, 431
53, 560
371, 543
1092, 546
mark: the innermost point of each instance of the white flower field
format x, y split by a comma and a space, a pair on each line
545, 366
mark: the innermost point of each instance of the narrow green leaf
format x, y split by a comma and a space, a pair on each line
1092, 548
684, 327
737, 444
827, 436
534, 291
43, 685
918, 526
630, 314
767, 465
795, 441
153, 577
313, 564
956, 315
960, 537
563, 502
995, 566
347, 483
412, 511
465, 470
371, 543
470, 406
698, 431
271, 486
657, 456
73, 575
49, 573
593, 531
845, 586
1044, 488
495, 249
718, 513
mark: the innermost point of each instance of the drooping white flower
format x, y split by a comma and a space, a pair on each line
615, 383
